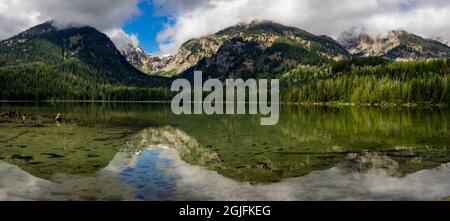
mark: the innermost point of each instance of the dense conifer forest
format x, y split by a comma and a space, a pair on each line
370, 81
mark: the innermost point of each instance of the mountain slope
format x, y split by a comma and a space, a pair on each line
264, 34
48, 45
74, 63
150, 64
398, 45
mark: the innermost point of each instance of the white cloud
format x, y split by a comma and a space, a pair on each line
105, 15
195, 18
331, 17
122, 40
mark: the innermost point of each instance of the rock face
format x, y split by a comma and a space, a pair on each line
398, 45
135, 55
147, 63
263, 33
265, 50
192, 52
188, 55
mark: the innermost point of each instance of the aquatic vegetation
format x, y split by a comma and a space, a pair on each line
307, 139
79, 147
69, 149
317, 138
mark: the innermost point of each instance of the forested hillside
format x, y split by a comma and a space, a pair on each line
45, 63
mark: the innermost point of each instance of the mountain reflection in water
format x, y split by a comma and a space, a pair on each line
144, 152
159, 174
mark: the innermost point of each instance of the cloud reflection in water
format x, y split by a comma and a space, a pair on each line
159, 174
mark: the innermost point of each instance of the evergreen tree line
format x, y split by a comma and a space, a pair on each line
70, 82
370, 81
359, 80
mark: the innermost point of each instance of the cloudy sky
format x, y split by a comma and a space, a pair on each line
161, 26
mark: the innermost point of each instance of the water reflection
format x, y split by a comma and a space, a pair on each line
147, 176
160, 174
143, 152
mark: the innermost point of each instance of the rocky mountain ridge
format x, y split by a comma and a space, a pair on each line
265, 33
397, 45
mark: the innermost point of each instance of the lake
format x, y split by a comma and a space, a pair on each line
141, 151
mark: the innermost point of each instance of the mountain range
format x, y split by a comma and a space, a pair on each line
81, 63
264, 36
397, 45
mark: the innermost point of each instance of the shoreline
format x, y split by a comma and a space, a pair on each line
80, 101
348, 104
329, 104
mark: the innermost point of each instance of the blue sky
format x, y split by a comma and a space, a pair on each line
146, 26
